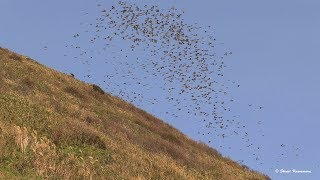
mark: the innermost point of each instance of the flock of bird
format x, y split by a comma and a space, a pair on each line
155, 57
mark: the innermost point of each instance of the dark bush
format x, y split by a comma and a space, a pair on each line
15, 57
91, 120
97, 89
73, 133
26, 85
28, 82
75, 92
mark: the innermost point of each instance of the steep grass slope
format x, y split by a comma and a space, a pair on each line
55, 126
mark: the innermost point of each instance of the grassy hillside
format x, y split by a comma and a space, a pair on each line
55, 126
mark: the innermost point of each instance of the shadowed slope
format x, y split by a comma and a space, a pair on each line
53, 125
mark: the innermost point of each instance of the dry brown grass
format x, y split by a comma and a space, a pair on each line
21, 138
45, 158
54, 126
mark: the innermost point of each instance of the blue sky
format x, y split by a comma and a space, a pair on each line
275, 60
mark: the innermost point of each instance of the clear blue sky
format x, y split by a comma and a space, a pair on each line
275, 47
